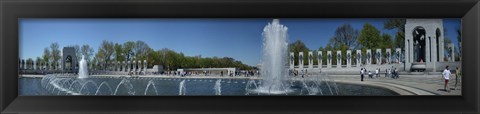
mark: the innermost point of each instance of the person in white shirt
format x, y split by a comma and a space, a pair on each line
376, 72
361, 74
446, 76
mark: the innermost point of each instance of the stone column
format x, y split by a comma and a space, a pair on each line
128, 66
139, 65
145, 66
427, 51
359, 58
292, 61
452, 51
349, 58
320, 58
300, 60
378, 56
310, 60
398, 55
434, 49
368, 56
339, 59
134, 66
388, 55
329, 59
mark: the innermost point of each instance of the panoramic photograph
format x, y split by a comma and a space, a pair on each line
240, 57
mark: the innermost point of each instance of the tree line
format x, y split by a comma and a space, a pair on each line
134, 51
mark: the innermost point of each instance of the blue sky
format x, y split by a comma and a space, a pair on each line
237, 38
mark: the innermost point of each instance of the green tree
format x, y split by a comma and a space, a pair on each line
141, 50
87, 51
46, 55
38, 61
105, 52
128, 50
370, 37
387, 41
118, 52
399, 25
298, 46
55, 54
345, 35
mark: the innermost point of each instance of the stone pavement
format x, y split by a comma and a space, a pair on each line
431, 83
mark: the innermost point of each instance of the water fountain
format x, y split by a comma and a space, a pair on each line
218, 87
274, 58
83, 70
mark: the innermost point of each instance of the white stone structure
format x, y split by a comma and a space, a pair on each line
129, 66
300, 60
319, 58
339, 59
359, 58
349, 58
292, 60
398, 54
452, 52
145, 65
368, 57
329, 59
378, 56
310, 60
423, 43
388, 55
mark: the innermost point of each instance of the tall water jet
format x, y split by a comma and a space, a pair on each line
83, 70
218, 87
274, 58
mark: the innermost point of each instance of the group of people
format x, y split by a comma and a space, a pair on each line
296, 73
388, 72
446, 76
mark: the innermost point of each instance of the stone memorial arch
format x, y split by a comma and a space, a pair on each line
424, 43
69, 59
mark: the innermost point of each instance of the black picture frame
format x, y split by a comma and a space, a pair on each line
12, 10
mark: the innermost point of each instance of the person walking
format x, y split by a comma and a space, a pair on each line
361, 74
458, 77
446, 77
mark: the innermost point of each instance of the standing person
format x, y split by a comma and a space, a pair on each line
376, 72
446, 76
361, 74
386, 72
458, 74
